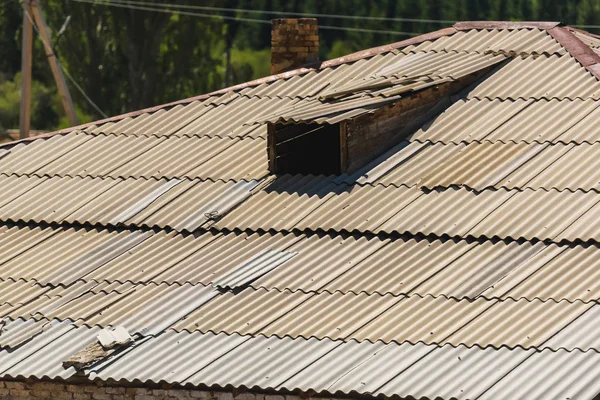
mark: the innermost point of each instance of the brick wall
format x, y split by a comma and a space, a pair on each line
294, 42
13, 390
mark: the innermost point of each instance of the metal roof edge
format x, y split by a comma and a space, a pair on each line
577, 49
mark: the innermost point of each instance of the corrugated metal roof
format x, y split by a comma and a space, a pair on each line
318, 366
584, 228
43, 356
478, 268
556, 272
508, 41
171, 357
15, 333
19, 292
329, 112
357, 367
119, 156
403, 251
449, 372
313, 83
592, 41
485, 165
184, 206
513, 214
539, 78
151, 309
447, 212
580, 334
243, 313
253, 269
252, 363
417, 71
541, 121
212, 118
271, 208
421, 319
359, 208
521, 323
551, 375
535, 214
340, 254
293, 314
355, 264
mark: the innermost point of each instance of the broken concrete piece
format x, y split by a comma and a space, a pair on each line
87, 356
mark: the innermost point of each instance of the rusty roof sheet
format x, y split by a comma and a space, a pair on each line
590, 40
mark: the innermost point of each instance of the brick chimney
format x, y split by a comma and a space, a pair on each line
294, 42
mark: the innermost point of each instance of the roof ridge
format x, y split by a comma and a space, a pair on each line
577, 49
468, 25
583, 32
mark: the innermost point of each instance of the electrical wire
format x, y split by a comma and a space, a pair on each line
225, 17
270, 12
333, 16
80, 89
64, 70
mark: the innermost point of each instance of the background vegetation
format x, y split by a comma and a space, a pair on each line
126, 59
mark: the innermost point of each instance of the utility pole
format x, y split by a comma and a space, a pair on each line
24, 115
44, 32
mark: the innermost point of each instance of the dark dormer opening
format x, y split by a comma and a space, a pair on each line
305, 148
338, 147
347, 127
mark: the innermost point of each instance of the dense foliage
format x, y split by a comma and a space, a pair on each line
126, 59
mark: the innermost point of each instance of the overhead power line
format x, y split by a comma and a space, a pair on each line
290, 13
171, 10
80, 90
271, 12
69, 77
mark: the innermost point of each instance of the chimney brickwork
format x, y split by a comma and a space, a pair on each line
294, 42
